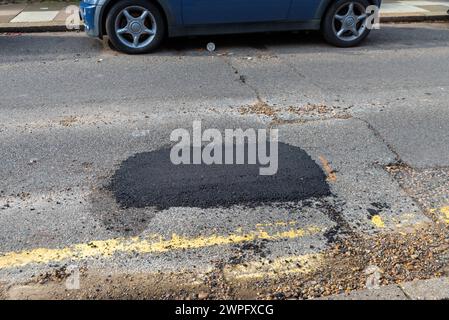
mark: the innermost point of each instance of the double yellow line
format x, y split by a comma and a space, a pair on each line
158, 244
151, 244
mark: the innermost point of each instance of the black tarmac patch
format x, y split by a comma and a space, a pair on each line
151, 180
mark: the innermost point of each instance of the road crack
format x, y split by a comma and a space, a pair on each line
377, 134
243, 79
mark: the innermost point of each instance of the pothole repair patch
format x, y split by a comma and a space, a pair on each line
150, 179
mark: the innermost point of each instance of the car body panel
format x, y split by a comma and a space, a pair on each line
196, 12
89, 13
202, 17
303, 9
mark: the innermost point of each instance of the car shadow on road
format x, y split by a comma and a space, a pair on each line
15, 47
389, 37
48, 46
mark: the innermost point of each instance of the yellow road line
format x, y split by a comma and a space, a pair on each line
157, 244
302, 264
377, 221
444, 214
441, 213
153, 244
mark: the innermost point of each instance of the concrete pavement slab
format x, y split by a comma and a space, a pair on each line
9, 11
436, 8
12, 8
6, 18
432, 289
35, 16
64, 14
392, 292
421, 3
400, 8
28, 15
48, 6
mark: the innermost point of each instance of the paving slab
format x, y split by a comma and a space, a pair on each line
400, 8
422, 3
6, 18
64, 14
9, 11
47, 6
432, 289
35, 16
391, 292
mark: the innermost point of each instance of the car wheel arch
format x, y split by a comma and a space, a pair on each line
110, 3
326, 4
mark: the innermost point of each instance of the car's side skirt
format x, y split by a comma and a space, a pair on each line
177, 31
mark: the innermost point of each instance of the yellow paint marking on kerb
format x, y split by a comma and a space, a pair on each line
153, 244
441, 213
377, 221
444, 211
285, 265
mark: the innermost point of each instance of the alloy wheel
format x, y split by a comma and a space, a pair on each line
135, 27
349, 21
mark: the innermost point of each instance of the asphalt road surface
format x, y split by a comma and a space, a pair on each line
86, 188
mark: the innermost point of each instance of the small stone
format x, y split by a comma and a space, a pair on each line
203, 295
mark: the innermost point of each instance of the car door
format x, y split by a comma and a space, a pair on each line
234, 11
302, 10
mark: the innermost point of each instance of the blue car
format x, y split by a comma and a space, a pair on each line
139, 26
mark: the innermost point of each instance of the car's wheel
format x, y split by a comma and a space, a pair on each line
345, 23
135, 26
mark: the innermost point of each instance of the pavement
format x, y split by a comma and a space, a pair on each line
90, 207
52, 16
431, 289
26, 16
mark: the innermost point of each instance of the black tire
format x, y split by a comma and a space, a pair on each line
120, 44
328, 29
